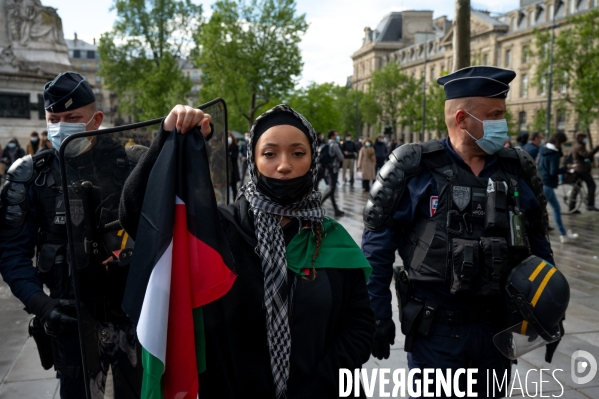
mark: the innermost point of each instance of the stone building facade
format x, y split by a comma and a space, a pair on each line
85, 60
32, 52
499, 40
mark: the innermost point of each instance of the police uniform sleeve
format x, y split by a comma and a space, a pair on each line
16, 266
539, 244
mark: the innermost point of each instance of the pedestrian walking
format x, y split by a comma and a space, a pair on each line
455, 204
549, 169
233, 164
534, 144
367, 164
298, 310
11, 152
583, 160
380, 151
45, 144
33, 144
243, 154
331, 169
350, 153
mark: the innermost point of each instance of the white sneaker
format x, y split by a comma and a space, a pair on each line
568, 236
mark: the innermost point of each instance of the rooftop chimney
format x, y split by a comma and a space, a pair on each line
75, 39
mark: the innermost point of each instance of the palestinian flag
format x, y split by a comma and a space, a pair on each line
338, 250
181, 262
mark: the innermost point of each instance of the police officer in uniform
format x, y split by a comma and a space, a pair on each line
33, 225
461, 212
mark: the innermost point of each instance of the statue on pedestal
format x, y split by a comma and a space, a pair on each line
30, 21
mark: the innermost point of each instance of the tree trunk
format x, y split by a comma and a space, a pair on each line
461, 35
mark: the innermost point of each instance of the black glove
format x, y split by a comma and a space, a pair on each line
58, 316
384, 337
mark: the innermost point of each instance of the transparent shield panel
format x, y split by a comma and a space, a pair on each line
95, 166
519, 340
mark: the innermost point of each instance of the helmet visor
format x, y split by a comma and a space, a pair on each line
523, 338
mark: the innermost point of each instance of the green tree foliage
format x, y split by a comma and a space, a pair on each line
318, 103
512, 125
389, 88
539, 122
575, 65
435, 111
249, 53
140, 56
370, 109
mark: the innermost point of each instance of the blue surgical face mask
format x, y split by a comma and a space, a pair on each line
57, 132
494, 136
585, 141
338, 138
368, 144
11, 145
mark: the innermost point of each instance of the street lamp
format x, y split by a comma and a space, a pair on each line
556, 5
426, 36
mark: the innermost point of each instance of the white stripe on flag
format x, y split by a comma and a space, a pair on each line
153, 320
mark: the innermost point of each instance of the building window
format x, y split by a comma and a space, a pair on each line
508, 58
525, 54
564, 86
515, 23
485, 59
194, 75
432, 74
542, 86
595, 2
573, 6
76, 53
561, 121
531, 19
550, 12
91, 54
522, 121
83, 66
97, 90
524, 86
98, 79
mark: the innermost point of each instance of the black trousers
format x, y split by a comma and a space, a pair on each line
330, 193
119, 350
463, 346
591, 186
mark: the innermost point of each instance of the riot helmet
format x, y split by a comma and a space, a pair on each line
537, 294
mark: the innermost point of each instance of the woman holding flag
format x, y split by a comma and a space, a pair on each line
298, 309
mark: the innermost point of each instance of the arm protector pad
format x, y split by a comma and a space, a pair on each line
389, 186
14, 201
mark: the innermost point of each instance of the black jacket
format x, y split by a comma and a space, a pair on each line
549, 157
332, 325
351, 149
332, 322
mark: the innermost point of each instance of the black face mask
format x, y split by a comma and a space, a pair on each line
285, 192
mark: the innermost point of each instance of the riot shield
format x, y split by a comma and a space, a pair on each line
94, 167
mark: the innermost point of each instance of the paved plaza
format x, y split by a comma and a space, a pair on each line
21, 375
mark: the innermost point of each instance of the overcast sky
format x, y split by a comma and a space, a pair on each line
336, 27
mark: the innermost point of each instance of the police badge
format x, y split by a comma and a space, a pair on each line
461, 196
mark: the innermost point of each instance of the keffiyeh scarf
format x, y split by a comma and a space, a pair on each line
271, 249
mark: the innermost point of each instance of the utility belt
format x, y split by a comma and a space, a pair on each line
418, 317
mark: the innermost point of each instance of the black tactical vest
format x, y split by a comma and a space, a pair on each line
106, 168
476, 234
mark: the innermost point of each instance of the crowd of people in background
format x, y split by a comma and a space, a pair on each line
344, 161
361, 159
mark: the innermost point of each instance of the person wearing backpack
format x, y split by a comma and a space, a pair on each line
330, 157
